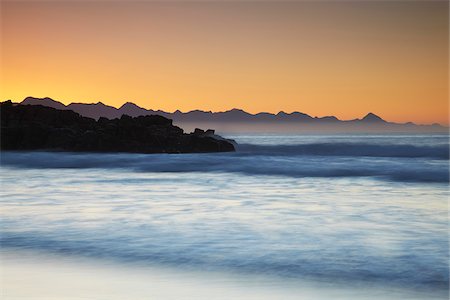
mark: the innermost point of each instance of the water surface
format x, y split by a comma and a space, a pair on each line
349, 211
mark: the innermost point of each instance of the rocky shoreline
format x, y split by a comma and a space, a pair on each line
36, 127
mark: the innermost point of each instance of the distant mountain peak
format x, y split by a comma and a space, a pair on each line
35, 98
328, 118
371, 117
29, 98
199, 111
238, 111
46, 101
129, 105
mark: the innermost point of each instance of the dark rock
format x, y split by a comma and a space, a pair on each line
198, 131
35, 127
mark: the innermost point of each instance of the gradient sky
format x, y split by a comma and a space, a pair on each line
322, 58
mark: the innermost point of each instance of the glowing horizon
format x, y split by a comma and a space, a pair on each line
327, 58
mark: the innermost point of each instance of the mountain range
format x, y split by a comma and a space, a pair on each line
237, 120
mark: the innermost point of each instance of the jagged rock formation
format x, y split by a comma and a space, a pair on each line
36, 127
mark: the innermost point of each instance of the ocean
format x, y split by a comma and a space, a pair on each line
284, 217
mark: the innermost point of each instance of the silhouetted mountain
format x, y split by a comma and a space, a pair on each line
294, 116
43, 101
95, 111
328, 119
370, 117
132, 110
37, 127
237, 120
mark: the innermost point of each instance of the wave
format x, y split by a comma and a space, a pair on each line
401, 169
350, 149
413, 270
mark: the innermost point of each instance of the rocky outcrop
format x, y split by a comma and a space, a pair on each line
35, 127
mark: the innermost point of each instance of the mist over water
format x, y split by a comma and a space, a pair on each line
349, 210
395, 159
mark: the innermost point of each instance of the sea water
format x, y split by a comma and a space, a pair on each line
285, 216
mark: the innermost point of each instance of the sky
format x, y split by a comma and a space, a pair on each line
342, 58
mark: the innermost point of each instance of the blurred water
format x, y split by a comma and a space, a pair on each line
343, 216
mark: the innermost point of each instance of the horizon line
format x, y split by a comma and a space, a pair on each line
233, 109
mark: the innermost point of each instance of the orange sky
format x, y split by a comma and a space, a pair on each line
322, 58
